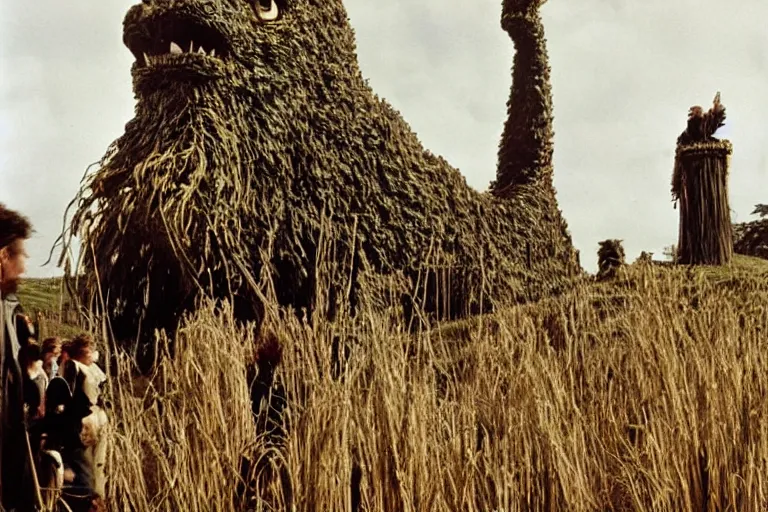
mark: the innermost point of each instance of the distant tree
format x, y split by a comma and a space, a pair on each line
761, 210
751, 238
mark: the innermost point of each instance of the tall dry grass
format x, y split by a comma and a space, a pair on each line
646, 393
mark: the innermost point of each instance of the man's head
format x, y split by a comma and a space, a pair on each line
51, 349
14, 230
81, 349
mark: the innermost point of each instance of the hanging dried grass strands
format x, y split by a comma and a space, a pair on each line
700, 184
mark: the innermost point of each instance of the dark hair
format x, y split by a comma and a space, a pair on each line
28, 354
50, 344
13, 226
25, 330
77, 345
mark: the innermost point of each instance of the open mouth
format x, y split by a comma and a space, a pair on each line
170, 40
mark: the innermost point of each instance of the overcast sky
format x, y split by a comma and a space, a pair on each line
624, 75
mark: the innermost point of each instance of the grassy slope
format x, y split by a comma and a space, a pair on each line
44, 295
49, 298
745, 272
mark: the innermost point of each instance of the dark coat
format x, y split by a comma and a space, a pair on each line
16, 483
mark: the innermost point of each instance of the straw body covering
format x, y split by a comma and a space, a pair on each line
263, 151
700, 185
706, 235
610, 257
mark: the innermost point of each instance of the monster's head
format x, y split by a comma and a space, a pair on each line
238, 102
243, 47
258, 69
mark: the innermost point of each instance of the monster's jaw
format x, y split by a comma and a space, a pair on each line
171, 42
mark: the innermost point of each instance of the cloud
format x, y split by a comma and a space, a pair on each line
65, 94
624, 74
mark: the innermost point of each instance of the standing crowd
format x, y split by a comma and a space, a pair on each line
52, 417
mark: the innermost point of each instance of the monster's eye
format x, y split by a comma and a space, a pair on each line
267, 10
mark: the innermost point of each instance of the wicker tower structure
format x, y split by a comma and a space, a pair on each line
700, 185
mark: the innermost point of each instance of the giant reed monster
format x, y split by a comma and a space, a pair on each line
253, 124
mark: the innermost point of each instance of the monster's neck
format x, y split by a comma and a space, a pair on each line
525, 151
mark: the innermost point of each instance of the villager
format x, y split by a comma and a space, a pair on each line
51, 351
17, 489
35, 381
25, 329
82, 419
47, 463
94, 426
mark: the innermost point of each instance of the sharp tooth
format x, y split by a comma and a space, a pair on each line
201, 50
191, 46
146, 59
175, 48
213, 52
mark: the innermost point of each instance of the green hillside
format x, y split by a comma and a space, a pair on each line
46, 300
46, 295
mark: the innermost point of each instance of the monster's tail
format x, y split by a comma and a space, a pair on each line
526, 147
517, 10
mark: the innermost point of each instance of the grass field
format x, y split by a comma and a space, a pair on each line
646, 392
